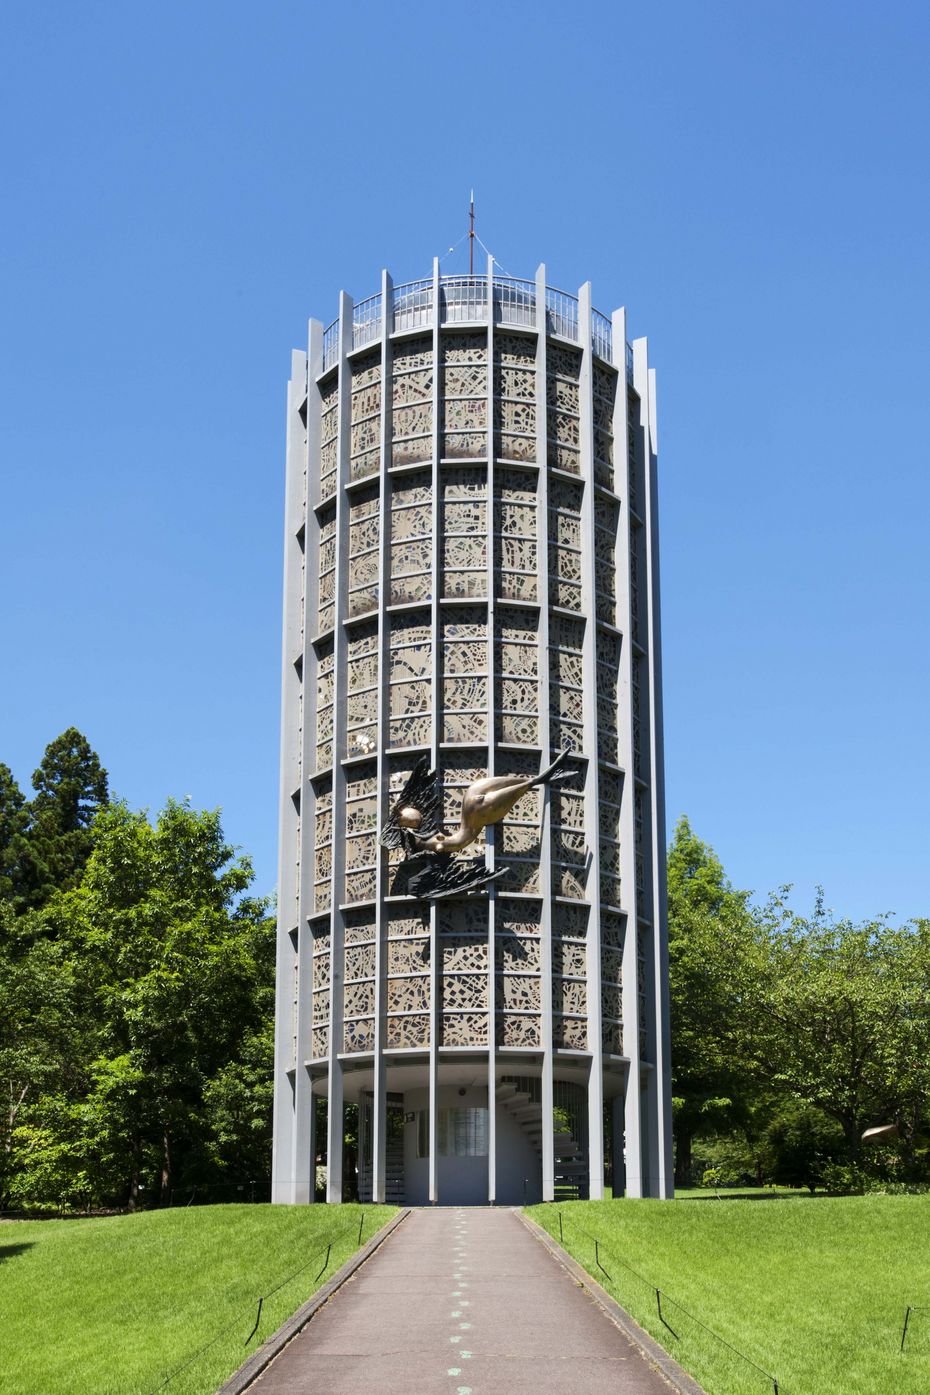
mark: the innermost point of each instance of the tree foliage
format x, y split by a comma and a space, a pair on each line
714, 979
847, 1025
14, 822
791, 1035
136, 997
71, 787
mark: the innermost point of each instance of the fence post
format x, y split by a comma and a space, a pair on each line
258, 1318
597, 1260
907, 1318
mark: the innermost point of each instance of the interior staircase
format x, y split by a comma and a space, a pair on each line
571, 1169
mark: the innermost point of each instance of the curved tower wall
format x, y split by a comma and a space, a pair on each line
471, 573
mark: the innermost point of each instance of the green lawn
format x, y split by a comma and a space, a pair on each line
813, 1289
112, 1306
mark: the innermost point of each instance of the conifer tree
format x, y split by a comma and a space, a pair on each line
71, 786
14, 820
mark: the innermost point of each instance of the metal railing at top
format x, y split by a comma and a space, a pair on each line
413, 305
601, 335
366, 321
464, 299
561, 314
514, 301
330, 345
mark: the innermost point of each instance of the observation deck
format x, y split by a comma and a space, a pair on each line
466, 300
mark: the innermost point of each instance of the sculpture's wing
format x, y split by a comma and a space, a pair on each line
432, 876
468, 875
422, 792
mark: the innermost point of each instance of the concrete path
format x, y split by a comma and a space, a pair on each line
461, 1302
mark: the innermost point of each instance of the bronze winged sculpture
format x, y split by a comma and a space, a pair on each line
415, 824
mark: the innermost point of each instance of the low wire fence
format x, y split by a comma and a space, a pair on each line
666, 1306
911, 1308
248, 1313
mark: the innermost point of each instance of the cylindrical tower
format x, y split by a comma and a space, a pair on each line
471, 574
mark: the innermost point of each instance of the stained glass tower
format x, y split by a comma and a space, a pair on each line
471, 573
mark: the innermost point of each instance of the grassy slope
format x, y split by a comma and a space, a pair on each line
111, 1306
813, 1289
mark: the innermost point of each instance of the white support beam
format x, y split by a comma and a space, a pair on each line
547, 1089
435, 1011
661, 1179
287, 1040
631, 1131
490, 833
592, 811
379, 1102
335, 1113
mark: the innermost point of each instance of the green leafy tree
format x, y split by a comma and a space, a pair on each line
40, 1037
714, 967
238, 1103
173, 964
847, 1021
71, 788
799, 1145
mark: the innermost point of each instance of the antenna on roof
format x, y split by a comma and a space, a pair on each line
471, 235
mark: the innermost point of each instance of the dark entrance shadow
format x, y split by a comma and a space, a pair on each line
11, 1251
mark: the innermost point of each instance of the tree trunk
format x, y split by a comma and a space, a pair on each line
165, 1168
132, 1203
683, 1158
852, 1130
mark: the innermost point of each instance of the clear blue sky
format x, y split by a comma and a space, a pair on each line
184, 184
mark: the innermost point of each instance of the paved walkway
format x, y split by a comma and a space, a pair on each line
461, 1302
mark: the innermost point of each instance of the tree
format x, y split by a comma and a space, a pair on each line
799, 1144
714, 961
71, 788
40, 1037
847, 1020
14, 821
238, 1104
173, 964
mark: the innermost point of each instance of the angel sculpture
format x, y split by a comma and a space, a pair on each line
415, 824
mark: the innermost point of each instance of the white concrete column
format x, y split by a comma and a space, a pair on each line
435, 1024
379, 1100
589, 707
335, 1119
287, 1022
661, 1179
304, 1138
627, 1116
547, 1090
490, 833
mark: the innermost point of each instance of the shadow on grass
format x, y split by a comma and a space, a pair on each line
762, 1196
11, 1251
